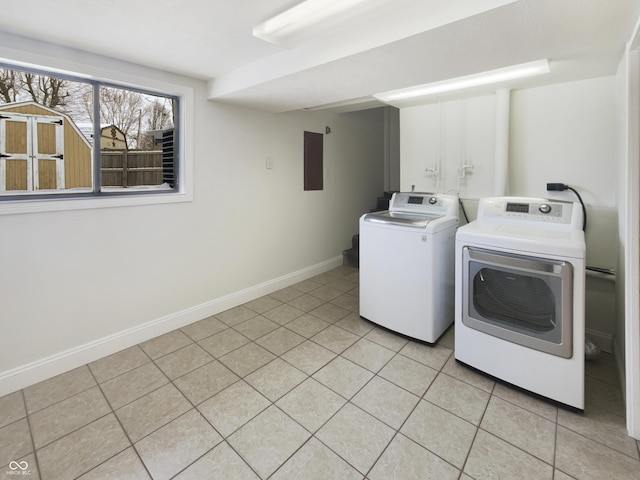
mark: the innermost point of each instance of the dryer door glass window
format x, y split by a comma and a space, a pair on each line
513, 299
524, 300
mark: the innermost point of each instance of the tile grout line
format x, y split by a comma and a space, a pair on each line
124, 430
555, 448
475, 435
420, 398
398, 431
347, 400
33, 443
243, 378
111, 411
194, 408
273, 403
593, 439
28, 417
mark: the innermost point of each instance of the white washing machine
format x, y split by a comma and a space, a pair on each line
407, 264
520, 287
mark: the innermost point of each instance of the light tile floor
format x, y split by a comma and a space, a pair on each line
295, 385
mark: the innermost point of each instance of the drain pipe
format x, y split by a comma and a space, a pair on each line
501, 172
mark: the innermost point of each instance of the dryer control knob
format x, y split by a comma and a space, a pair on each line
433, 200
544, 208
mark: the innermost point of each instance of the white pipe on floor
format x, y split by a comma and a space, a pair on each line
501, 172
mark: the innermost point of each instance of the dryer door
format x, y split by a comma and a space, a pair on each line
521, 299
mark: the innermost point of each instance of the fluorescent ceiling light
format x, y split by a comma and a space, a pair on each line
485, 78
299, 19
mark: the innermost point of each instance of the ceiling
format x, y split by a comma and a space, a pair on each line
392, 45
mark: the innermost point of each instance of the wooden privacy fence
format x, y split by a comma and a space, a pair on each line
131, 168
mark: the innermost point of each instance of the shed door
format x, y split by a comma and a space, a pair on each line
31, 152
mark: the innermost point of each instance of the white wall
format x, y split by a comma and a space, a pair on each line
565, 133
559, 133
443, 137
76, 285
628, 150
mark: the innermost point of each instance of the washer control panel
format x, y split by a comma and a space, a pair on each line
424, 203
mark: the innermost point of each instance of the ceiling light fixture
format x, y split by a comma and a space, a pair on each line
297, 20
485, 78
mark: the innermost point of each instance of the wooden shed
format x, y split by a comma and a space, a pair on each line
112, 138
41, 149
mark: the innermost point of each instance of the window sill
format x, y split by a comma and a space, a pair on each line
67, 204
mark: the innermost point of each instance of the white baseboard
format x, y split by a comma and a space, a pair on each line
604, 341
42, 369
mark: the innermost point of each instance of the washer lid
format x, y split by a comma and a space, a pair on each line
430, 223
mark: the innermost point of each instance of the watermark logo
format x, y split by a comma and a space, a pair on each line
18, 468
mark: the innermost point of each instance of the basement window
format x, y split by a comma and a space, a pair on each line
67, 137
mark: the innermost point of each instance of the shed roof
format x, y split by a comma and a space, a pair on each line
14, 106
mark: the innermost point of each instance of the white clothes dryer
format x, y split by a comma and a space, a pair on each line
520, 287
407, 264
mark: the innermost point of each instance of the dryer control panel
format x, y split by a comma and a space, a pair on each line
547, 208
530, 211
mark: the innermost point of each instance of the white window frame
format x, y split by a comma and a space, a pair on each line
183, 191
